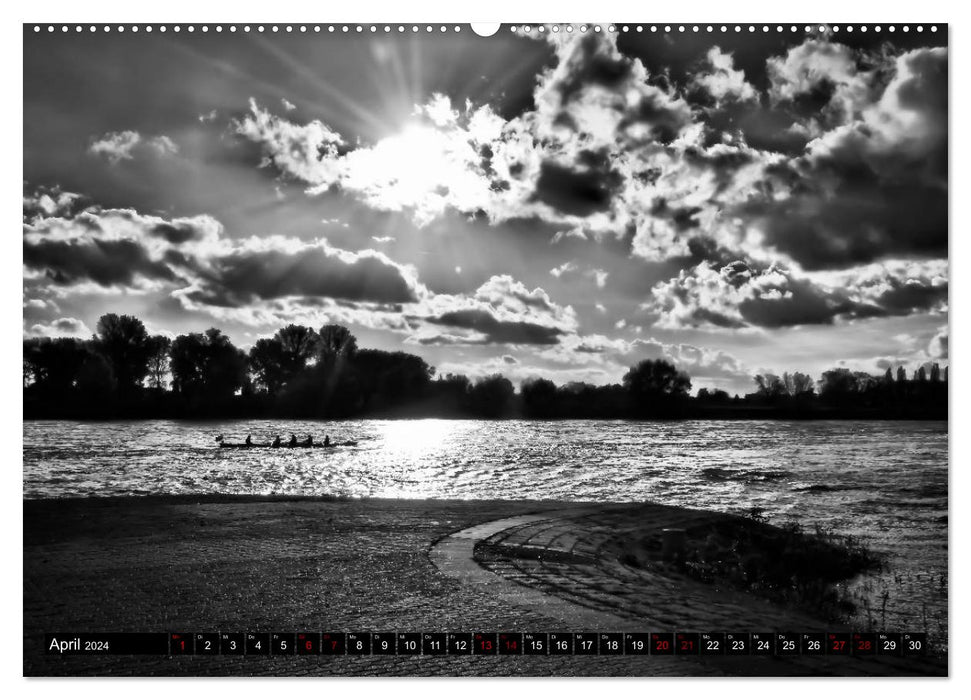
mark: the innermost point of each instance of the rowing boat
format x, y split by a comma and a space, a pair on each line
284, 446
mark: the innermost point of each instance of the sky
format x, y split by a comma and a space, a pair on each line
557, 204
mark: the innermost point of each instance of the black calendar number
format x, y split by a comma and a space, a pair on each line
585, 644
889, 644
383, 643
763, 644
913, 643
232, 643
409, 643
711, 643
611, 643
536, 643
434, 644
257, 643
459, 643
787, 644
358, 643
207, 643
283, 643
561, 643
738, 644
812, 644
637, 643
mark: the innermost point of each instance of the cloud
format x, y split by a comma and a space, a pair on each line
308, 152
609, 149
521, 371
578, 191
737, 295
826, 79
561, 162
60, 328
937, 348
40, 305
49, 201
163, 145
114, 247
501, 311
722, 82
287, 104
116, 146
270, 268
872, 188
489, 329
192, 258
599, 277
439, 160
261, 281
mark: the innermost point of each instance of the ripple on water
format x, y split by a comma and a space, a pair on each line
811, 471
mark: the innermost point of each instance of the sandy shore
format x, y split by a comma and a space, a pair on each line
285, 564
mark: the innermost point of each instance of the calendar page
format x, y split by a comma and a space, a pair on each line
577, 349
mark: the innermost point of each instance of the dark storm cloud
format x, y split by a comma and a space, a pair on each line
176, 232
802, 303
663, 119
579, 192
683, 218
679, 57
874, 189
498, 331
104, 262
590, 65
244, 276
449, 339
912, 296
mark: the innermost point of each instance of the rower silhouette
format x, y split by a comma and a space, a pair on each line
249, 440
326, 440
277, 442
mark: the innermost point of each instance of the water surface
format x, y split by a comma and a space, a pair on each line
885, 481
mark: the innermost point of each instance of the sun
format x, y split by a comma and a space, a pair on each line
422, 168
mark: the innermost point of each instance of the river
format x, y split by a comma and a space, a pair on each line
884, 481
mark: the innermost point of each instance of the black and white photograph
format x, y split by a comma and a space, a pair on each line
591, 349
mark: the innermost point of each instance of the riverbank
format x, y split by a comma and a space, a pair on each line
281, 563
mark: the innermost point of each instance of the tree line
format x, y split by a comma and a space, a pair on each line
123, 371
